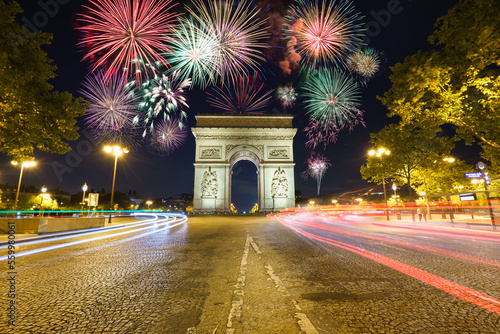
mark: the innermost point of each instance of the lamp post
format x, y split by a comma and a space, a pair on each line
380, 153
149, 203
24, 164
84, 188
42, 195
117, 151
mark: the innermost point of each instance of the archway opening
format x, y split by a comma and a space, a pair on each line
244, 185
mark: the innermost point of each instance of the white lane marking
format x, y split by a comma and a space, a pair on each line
237, 304
303, 321
255, 247
305, 324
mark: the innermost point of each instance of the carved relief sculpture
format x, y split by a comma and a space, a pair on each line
209, 187
275, 153
210, 153
279, 185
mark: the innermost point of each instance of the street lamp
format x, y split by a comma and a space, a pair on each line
42, 195
24, 164
117, 151
380, 153
84, 188
149, 203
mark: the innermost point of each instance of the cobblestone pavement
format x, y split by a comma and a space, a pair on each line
252, 275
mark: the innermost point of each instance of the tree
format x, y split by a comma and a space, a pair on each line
442, 176
32, 114
458, 82
36, 202
412, 148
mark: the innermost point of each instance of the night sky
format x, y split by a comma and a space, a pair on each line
401, 35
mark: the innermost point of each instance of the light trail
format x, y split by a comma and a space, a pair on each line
429, 249
165, 221
71, 235
478, 298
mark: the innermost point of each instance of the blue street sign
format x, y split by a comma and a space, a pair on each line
473, 175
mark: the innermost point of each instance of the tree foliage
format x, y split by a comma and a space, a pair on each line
458, 82
412, 149
32, 114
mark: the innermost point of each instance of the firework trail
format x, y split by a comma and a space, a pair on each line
168, 136
326, 132
118, 33
239, 30
193, 53
244, 97
287, 96
164, 95
111, 108
325, 31
332, 96
318, 133
317, 166
365, 63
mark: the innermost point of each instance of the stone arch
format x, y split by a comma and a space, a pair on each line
223, 140
239, 153
244, 152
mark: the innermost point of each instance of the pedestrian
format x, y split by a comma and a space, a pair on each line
419, 212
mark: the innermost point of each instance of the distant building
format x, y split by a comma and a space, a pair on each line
177, 202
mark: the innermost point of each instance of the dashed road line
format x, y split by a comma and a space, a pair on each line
237, 304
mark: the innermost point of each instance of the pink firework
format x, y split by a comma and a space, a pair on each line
317, 166
127, 35
111, 110
168, 136
325, 31
317, 133
326, 132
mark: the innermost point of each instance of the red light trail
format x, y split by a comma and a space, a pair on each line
480, 299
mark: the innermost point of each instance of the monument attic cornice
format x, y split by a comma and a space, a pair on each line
244, 121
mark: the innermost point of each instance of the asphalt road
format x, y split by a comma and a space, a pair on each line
291, 274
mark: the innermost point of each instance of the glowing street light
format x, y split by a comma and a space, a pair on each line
117, 151
149, 203
24, 164
42, 195
380, 153
84, 188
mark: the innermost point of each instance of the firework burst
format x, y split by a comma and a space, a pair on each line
193, 53
365, 63
118, 33
168, 136
326, 132
332, 96
317, 166
286, 95
244, 97
239, 31
111, 108
325, 31
164, 95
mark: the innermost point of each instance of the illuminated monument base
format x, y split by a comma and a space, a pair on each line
223, 140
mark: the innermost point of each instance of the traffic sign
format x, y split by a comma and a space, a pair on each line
474, 175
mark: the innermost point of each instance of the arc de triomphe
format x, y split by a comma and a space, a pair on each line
223, 140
